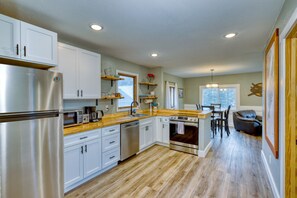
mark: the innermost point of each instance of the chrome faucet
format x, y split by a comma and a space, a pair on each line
131, 112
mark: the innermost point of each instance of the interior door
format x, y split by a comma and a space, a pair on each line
89, 75
38, 44
92, 156
291, 115
10, 37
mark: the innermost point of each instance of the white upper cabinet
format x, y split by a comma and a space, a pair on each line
81, 72
26, 42
67, 64
38, 44
89, 74
9, 37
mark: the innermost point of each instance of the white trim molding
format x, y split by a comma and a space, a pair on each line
137, 91
237, 86
271, 180
203, 153
282, 98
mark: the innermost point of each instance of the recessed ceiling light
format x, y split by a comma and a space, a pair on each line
96, 27
231, 35
154, 55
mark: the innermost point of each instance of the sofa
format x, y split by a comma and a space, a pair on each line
247, 121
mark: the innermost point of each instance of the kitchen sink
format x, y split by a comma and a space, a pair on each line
137, 115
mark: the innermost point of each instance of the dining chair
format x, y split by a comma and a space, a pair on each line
198, 106
225, 121
216, 105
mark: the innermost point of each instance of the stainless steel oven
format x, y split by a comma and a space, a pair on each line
184, 134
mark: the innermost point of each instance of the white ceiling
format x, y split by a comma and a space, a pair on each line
188, 35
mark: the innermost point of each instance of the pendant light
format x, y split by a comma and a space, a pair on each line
212, 84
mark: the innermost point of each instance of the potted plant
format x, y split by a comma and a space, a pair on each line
150, 77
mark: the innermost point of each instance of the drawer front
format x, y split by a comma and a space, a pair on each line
110, 130
110, 142
110, 157
146, 121
81, 137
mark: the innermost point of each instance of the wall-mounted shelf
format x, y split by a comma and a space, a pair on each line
148, 84
147, 97
111, 98
111, 78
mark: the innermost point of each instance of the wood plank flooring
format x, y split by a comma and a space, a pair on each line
233, 168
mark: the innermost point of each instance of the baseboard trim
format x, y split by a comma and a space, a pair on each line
203, 153
271, 180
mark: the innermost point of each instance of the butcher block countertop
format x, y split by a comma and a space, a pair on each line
123, 117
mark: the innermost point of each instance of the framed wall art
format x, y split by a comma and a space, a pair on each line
271, 93
180, 92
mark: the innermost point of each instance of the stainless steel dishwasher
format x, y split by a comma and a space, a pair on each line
129, 139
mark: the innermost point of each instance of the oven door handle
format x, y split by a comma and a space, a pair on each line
186, 123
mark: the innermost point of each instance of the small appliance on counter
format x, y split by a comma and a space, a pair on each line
91, 110
72, 118
100, 114
86, 118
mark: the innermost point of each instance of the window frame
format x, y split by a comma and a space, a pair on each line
236, 86
135, 89
172, 86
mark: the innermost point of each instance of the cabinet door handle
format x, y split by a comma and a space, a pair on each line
83, 137
82, 149
17, 49
111, 142
81, 93
86, 148
111, 157
111, 130
25, 51
77, 93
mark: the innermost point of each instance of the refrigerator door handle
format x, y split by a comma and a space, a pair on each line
14, 117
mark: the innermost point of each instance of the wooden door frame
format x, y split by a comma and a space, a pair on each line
282, 114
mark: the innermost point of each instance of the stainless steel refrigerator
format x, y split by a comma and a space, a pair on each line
31, 133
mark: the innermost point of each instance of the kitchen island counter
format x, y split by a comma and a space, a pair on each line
123, 117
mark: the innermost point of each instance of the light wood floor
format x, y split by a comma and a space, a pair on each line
233, 168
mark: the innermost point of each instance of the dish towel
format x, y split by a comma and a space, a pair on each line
180, 128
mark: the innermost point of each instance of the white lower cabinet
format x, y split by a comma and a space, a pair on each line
165, 133
146, 133
162, 130
82, 158
73, 165
110, 145
110, 157
92, 157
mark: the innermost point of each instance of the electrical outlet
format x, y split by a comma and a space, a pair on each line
106, 108
269, 159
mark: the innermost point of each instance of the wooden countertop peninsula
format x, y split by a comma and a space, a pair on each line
123, 117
